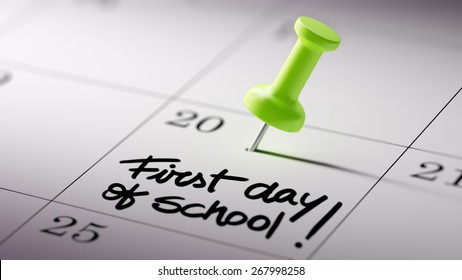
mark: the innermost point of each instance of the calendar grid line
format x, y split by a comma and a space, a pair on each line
268, 254
74, 191
437, 153
232, 245
309, 126
23, 224
23, 193
310, 256
129, 89
238, 42
76, 78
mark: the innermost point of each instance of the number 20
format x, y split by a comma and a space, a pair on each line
206, 125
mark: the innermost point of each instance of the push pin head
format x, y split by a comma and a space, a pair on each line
316, 34
277, 104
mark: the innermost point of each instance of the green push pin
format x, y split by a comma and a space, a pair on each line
277, 104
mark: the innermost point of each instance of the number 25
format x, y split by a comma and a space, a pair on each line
84, 235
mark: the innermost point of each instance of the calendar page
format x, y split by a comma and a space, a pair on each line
124, 134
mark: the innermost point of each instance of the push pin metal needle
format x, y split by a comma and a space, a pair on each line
277, 104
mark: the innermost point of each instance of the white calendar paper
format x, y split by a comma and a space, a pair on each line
124, 135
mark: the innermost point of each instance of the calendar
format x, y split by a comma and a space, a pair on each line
124, 134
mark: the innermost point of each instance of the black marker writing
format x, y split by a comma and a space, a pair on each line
223, 216
308, 206
181, 179
126, 197
165, 170
144, 162
271, 193
222, 176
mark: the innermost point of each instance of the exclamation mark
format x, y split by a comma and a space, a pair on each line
321, 222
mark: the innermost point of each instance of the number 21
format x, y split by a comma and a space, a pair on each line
432, 170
